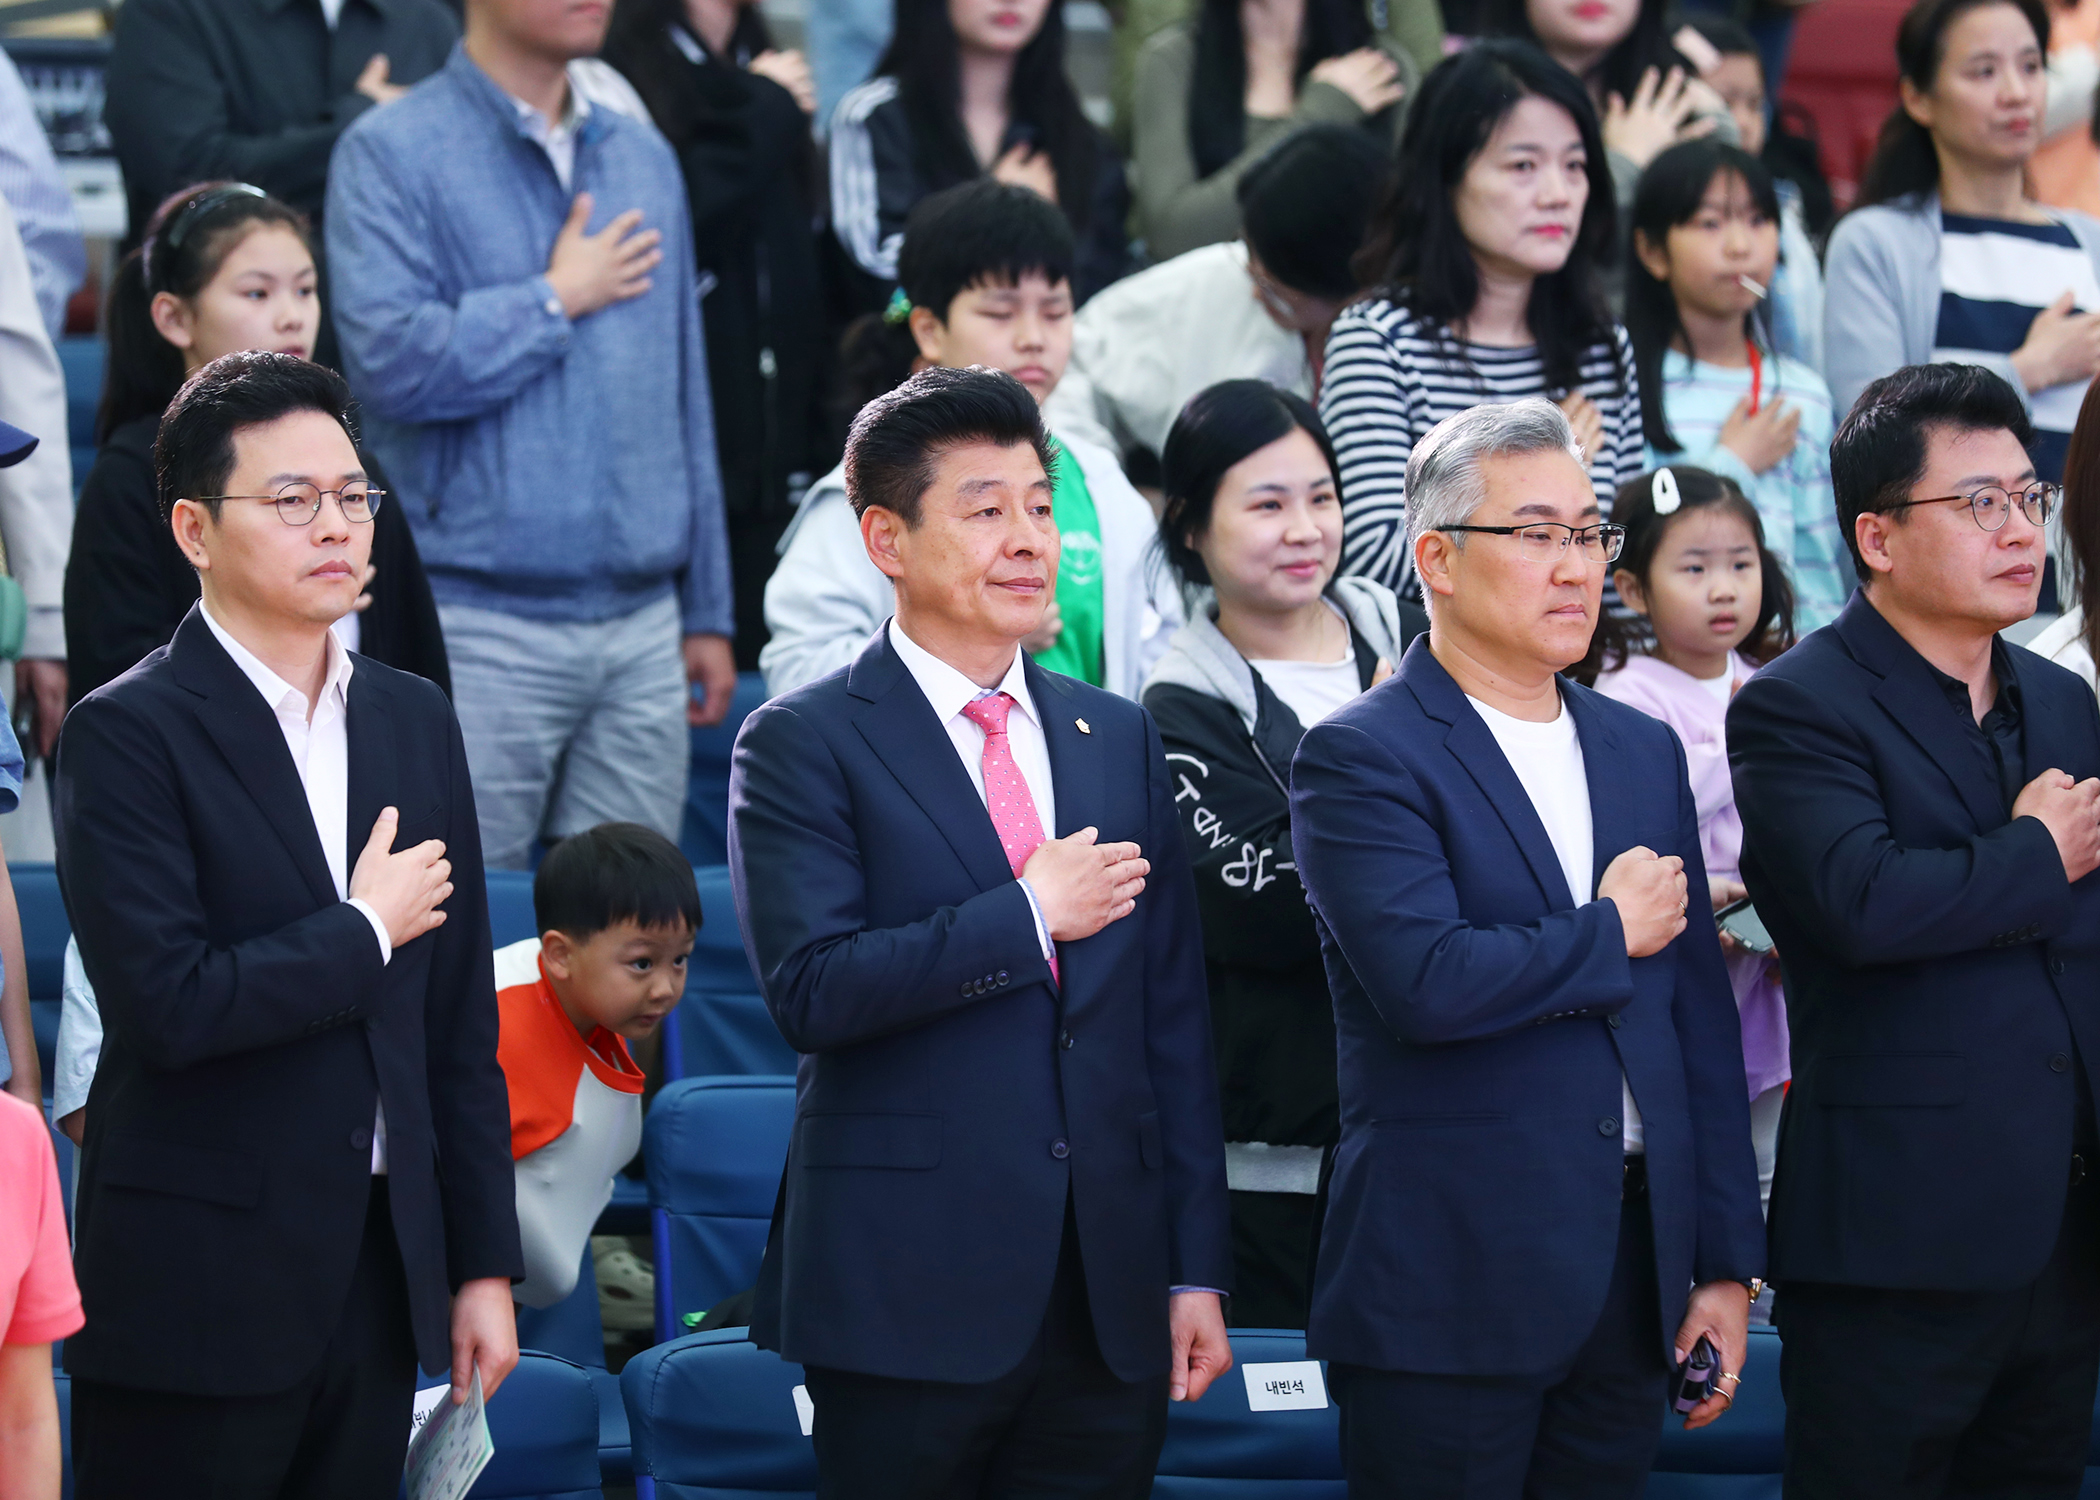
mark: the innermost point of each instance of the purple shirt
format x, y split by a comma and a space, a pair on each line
1699, 716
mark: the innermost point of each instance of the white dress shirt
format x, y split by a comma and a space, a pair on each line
948, 691
319, 740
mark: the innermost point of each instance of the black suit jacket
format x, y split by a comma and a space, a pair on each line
952, 1096
1941, 974
250, 1029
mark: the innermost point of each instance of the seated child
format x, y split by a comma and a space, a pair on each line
617, 910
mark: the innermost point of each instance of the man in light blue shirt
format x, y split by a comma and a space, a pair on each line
515, 292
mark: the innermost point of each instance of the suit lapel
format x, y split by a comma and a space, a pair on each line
1915, 700
1075, 764
373, 771
245, 730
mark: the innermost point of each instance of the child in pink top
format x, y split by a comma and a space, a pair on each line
1717, 604
38, 1301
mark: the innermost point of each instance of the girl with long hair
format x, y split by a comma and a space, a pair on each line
1715, 392
969, 88
1484, 269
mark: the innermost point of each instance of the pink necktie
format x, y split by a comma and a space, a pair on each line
1006, 794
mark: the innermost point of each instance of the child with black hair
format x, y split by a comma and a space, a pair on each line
1716, 606
1713, 388
617, 910
985, 278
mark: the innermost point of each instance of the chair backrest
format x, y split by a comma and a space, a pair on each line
715, 1417
1738, 1457
510, 907
1220, 1448
722, 1026
715, 1148
1841, 72
705, 835
45, 932
544, 1424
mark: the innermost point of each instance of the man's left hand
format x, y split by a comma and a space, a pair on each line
711, 663
43, 684
484, 1333
1202, 1353
1721, 1311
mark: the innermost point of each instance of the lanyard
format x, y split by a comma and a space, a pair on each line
1757, 374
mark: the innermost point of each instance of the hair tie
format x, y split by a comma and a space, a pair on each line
899, 309
1663, 492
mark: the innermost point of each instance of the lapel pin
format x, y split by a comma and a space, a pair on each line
1082, 726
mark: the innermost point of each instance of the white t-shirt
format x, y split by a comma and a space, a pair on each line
1548, 761
1722, 687
1311, 689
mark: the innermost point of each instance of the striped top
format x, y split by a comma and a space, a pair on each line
1388, 381
1995, 275
1793, 497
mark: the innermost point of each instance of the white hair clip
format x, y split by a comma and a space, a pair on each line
1663, 491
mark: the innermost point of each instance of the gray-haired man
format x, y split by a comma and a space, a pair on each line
1545, 1140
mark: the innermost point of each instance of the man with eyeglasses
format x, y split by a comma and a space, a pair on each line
269, 853
1544, 1194
1921, 817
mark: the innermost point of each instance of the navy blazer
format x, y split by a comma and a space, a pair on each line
951, 1096
251, 1029
1938, 966
1485, 1022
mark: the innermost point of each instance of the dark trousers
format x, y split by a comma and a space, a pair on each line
1059, 1424
1587, 1431
340, 1434
1909, 1393
1272, 1255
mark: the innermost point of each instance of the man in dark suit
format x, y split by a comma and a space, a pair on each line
1545, 1142
258, 836
1003, 1232
1920, 820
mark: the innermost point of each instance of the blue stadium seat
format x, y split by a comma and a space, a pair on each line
82, 358
510, 907
1738, 1457
1219, 1449
544, 1423
45, 930
715, 1149
714, 1418
615, 1447
705, 836
722, 1026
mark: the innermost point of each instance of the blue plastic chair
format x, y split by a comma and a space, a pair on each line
705, 835
1738, 1457
1219, 1448
714, 1418
544, 1423
510, 907
82, 358
722, 1026
45, 931
715, 1149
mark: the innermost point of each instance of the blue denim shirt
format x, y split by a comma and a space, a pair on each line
555, 470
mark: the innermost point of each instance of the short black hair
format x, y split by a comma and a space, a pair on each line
193, 453
898, 437
616, 872
1306, 203
1880, 448
983, 231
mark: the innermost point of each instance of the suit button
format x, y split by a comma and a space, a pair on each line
1607, 1126
1002, 976
2057, 967
978, 988
1060, 1150
2060, 1063
966, 988
1615, 1022
1065, 1041
360, 1138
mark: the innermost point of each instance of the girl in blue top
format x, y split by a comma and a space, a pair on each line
1714, 391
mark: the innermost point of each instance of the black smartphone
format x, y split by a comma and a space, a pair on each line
1739, 919
1696, 1377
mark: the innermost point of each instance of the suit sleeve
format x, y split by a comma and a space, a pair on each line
1731, 1221
1817, 845
469, 1101
129, 878
1178, 1046
801, 893
1374, 865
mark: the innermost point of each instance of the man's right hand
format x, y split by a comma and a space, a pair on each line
2071, 812
590, 271
1083, 886
406, 889
1649, 890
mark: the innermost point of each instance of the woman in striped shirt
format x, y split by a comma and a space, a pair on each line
1485, 265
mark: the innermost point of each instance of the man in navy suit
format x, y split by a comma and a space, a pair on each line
1003, 1233
1920, 824
1545, 1144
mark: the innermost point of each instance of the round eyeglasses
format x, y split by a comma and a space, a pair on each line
1993, 504
1547, 541
299, 503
